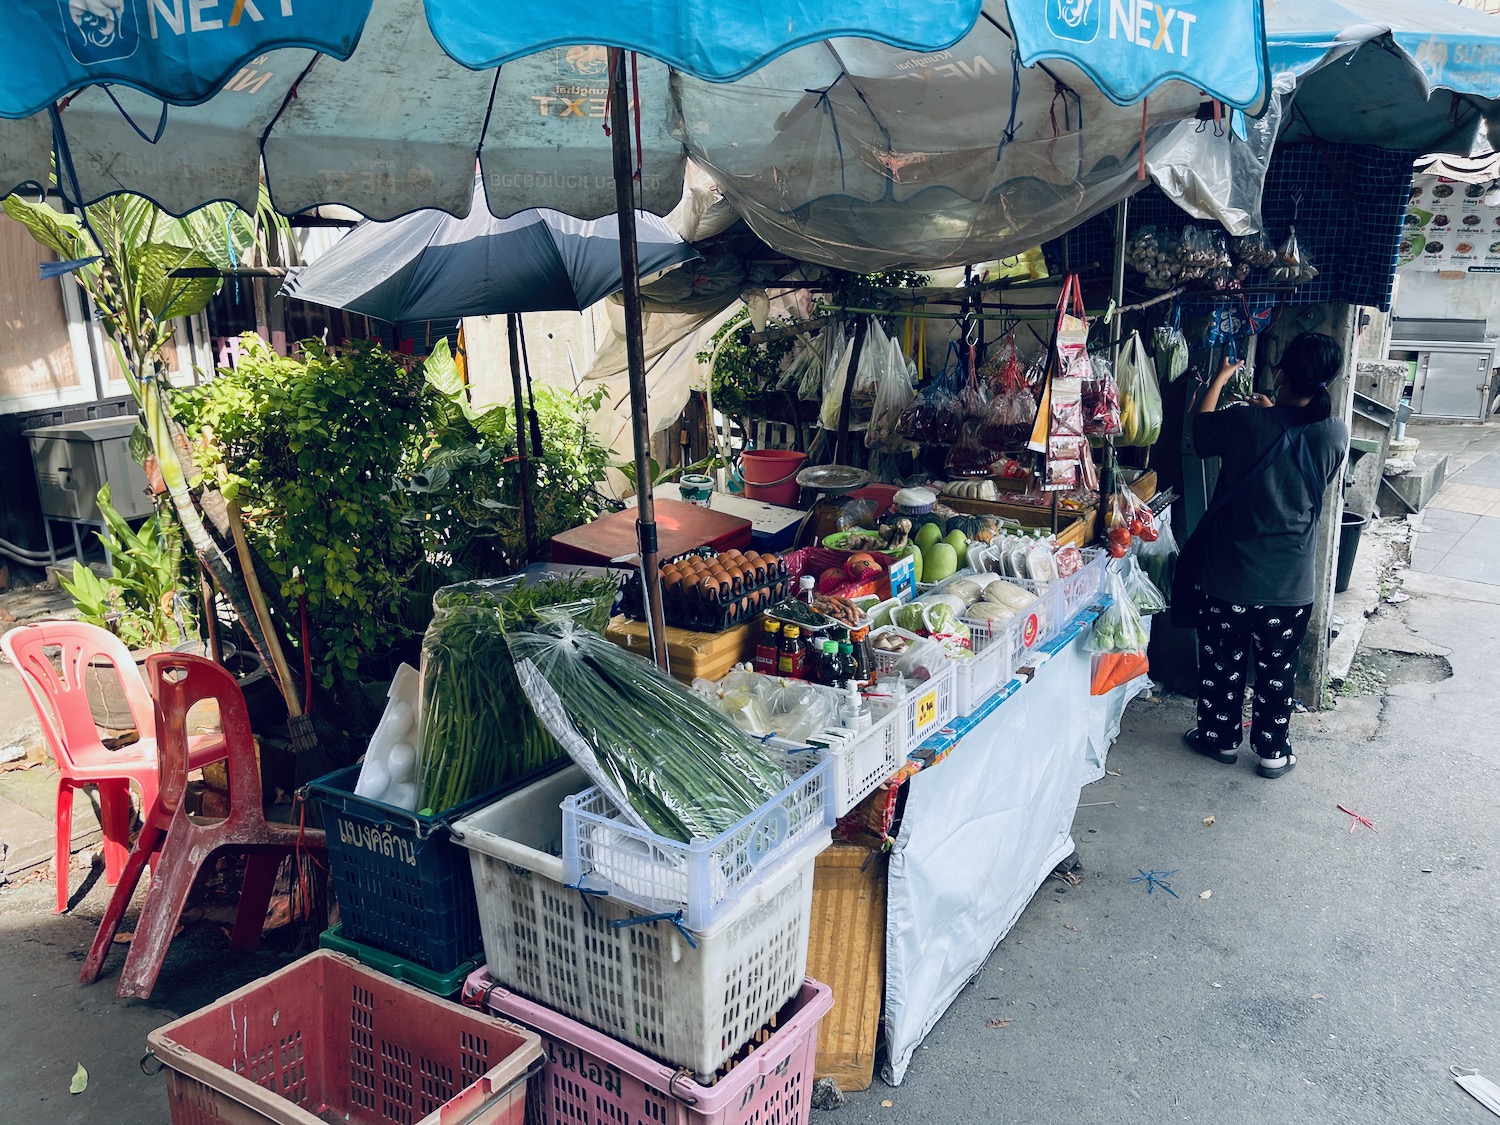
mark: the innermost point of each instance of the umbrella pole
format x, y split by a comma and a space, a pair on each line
528, 515
635, 352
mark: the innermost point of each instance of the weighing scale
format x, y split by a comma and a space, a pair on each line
831, 486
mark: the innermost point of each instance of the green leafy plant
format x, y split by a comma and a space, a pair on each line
308, 447
142, 268
141, 602
463, 484
743, 373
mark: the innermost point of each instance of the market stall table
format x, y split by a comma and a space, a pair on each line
982, 831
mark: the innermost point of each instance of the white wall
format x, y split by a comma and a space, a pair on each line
1429, 295
549, 339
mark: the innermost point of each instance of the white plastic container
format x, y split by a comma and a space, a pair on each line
691, 999
703, 880
867, 761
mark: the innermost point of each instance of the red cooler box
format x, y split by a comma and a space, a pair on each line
679, 527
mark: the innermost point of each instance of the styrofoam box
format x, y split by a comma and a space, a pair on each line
690, 999
703, 880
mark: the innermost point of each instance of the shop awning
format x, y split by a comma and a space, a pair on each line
1411, 74
859, 153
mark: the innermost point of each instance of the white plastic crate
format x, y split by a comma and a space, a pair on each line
1083, 589
1031, 626
930, 706
980, 676
862, 765
690, 999
705, 879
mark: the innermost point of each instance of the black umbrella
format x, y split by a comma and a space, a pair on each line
431, 266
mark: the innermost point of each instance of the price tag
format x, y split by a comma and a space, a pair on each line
1030, 630
927, 709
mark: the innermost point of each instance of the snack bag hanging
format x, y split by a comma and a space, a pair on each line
1140, 397
1065, 441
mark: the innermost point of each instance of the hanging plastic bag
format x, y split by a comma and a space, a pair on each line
874, 355
1002, 369
893, 394
969, 456
1120, 628
1101, 400
804, 373
1153, 254
1292, 266
1140, 397
935, 415
1144, 595
1170, 347
1202, 252
1158, 557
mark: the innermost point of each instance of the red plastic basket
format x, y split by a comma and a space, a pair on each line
590, 1077
326, 1039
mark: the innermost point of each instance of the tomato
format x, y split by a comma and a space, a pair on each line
1149, 533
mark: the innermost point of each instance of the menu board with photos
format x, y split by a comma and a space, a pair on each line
1449, 226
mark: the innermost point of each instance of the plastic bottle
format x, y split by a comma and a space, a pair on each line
854, 712
768, 648
790, 660
807, 584
864, 662
848, 668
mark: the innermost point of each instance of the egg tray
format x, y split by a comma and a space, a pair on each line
712, 614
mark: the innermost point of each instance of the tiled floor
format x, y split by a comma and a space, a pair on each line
1460, 534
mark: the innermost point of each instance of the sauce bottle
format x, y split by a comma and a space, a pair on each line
768, 648
790, 661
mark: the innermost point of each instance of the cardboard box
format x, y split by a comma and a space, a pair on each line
689, 654
846, 951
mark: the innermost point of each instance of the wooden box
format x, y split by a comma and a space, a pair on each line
846, 951
689, 654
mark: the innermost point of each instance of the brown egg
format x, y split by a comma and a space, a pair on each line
690, 583
670, 581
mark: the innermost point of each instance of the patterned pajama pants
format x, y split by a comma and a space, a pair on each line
1229, 638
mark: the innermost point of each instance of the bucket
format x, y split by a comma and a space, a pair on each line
771, 475
1350, 530
695, 488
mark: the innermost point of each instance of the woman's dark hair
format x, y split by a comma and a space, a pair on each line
1312, 361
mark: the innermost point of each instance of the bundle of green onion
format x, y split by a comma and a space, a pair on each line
655, 749
478, 733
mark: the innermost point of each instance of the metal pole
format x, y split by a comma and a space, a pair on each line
528, 515
635, 352
1117, 295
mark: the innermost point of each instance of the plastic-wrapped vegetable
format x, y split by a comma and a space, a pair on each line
1120, 627
477, 732
893, 394
1158, 557
669, 761
1101, 400
1144, 595
1170, 347
1140, 397
934, 416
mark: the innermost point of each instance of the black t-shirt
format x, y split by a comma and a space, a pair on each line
1260, 549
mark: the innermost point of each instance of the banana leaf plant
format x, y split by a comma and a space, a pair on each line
127, 254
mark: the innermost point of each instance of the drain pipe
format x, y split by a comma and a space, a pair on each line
23, 556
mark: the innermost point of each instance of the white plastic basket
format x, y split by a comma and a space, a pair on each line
865, 763
705, 879
1032, 625
931, 705
979, 677
690, 999
1082, 589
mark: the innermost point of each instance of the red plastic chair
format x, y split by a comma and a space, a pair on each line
61, 703
186, 844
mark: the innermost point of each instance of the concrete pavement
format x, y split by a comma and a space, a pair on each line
1328, 977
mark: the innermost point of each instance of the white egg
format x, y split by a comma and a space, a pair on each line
402, 762
400, 714
403, 795
373, 779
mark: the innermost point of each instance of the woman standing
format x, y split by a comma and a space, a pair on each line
1246, 575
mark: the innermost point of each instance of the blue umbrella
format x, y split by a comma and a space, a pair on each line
431, 266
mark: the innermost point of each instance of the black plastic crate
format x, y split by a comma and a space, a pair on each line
403, 885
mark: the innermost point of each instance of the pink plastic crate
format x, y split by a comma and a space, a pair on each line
326, 1039
591, 1079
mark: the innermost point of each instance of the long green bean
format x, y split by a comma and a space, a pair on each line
478, 731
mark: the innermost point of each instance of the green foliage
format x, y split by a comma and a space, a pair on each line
140, 602
464, 483
308, 447
743, 372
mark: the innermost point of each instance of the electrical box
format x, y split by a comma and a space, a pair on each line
75, 459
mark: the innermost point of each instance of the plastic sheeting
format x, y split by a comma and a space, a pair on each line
981, 831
